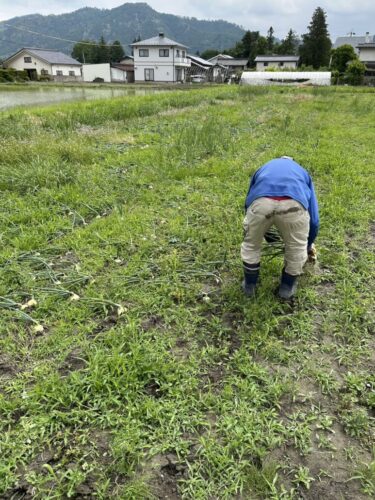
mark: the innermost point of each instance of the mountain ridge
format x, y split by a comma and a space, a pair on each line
124, 23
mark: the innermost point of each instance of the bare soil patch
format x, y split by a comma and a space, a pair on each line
73, 362
164, 472
7, 368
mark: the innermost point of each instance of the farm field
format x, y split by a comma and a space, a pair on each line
131, 364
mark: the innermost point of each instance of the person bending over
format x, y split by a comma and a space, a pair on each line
281, 194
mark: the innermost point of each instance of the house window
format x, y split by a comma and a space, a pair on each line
265, 64
281, 64
163, 52
44, 71
177, 53
143, 52
183, 53
27, 59
149, 75
59, 72
71, 73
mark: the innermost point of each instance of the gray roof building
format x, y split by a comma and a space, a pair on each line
158, 41
228, 61
353, 40
277, 59
47, 55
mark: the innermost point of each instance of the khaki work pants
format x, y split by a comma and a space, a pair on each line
293, 223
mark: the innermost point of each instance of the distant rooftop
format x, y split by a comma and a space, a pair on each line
200, 61
353, 40
366, 45
220, 56
277, 58
157, 41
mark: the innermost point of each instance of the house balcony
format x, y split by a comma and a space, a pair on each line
182, 61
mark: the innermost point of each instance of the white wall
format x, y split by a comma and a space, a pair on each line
287, 64
92, 71
164, 67
19, 64
65, 69
367, 55
118, 75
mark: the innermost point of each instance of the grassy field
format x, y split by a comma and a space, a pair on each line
131, 365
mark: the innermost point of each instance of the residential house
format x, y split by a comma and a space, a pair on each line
127, 60
276, 61
45, 63
160, 59
367, 56
231, 64
209, 71
353, 40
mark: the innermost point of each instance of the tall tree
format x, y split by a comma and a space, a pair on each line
262, 46
102, 52
270, 40
250, 45
116, 52
316, 44
289, 44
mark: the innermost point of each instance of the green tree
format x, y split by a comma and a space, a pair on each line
355, 72
261, 46
237, 51
102, 54
84, 51
342, 56
116, 52
316, 44
250, 42
209, 53
289, 44
270, 40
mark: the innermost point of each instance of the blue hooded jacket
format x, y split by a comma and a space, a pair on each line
285, 177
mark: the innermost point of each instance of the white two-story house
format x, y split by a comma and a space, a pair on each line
160, 59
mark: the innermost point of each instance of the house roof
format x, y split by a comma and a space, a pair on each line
48, 55
201, 62
276, 58
232, 62
156, 41
123, 67
353, 40
220, 56
366, 45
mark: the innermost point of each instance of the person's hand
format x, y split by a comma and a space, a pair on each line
312, 254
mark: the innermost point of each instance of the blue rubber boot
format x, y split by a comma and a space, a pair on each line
288, 286
251, 275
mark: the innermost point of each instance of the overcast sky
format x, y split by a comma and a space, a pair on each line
343, 16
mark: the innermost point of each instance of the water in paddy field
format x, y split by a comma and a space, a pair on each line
42, 96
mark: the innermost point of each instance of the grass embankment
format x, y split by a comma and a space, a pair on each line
131, 365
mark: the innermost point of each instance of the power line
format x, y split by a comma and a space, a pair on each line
49, 36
